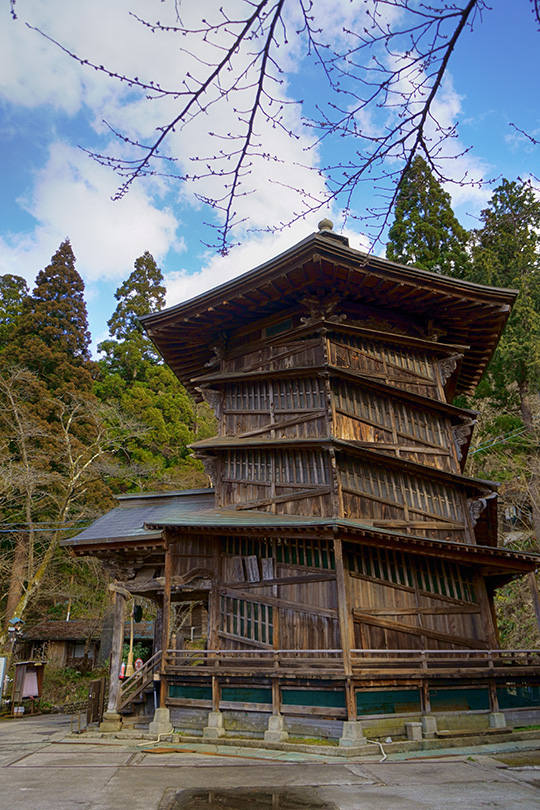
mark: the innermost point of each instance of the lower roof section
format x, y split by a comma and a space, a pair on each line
145, 517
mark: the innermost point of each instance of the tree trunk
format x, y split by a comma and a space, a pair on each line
18, 575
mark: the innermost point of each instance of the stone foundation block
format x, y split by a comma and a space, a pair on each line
214, 727
111, 722
413, 731
161, 724
497, 720
352, 734
276, 729
429, 726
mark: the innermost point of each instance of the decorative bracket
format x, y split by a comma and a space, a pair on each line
448, 366
321, 309
213, 398
476, 507
462, 433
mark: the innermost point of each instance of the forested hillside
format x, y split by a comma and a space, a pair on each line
74, 431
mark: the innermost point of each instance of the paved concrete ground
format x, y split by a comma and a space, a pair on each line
42, 768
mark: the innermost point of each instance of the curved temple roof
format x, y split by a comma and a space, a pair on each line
472, 316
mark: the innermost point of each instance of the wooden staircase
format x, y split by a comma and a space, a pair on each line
138, 686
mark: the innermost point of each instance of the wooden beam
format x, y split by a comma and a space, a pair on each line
213, 613
301, 607
346, 626
401, 627
486, 612
116, 653
294, 580
533, 585
166, 621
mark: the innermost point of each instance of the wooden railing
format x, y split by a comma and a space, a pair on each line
133, 686
366, 664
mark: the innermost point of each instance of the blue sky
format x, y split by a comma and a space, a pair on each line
49, 106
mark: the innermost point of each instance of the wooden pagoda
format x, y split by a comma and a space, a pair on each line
347, 563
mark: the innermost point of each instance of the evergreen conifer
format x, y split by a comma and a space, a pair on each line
425, 232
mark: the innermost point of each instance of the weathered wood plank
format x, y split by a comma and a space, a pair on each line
409, 629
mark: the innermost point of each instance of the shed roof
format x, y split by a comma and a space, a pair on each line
129, 520
472, 315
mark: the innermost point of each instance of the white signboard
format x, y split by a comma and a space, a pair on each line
252, 568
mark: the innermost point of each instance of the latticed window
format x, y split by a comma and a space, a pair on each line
250, 620
315, 554
402, 358
292, 394
430, 574
297, 467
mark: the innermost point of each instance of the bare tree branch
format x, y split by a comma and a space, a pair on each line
392, 65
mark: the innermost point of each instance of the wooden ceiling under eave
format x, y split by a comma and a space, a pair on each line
469, 314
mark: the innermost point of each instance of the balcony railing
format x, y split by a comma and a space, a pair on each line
365, 664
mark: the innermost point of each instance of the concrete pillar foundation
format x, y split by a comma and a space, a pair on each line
276, 729
214, 728
112, 721
497, 720
161, 724
352, 734
413, 731
429, 726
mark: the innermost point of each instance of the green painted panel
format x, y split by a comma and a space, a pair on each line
246, 694
454, 700
190, 692
397, 701
515, 697
313, 697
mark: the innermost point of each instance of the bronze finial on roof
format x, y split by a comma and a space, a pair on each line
326, 225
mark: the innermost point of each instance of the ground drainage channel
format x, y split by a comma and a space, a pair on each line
244, 798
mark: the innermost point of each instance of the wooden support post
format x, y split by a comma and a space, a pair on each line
350, 700
345, 617
533, 585
493, 697
276, 696
425, 700
214, 606
112, 721
166, 624
116, 652
216, 693
158, 629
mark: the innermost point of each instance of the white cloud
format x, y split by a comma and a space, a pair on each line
72, 197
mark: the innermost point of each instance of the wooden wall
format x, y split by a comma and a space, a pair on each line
404, 601
282, 594
408, 501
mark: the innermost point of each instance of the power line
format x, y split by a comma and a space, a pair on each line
500, 439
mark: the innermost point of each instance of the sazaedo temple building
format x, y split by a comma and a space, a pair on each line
346, 562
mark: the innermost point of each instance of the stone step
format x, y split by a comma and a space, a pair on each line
472, 732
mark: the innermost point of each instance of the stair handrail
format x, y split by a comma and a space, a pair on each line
141, 678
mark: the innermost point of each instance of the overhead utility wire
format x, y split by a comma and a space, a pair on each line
500, 439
